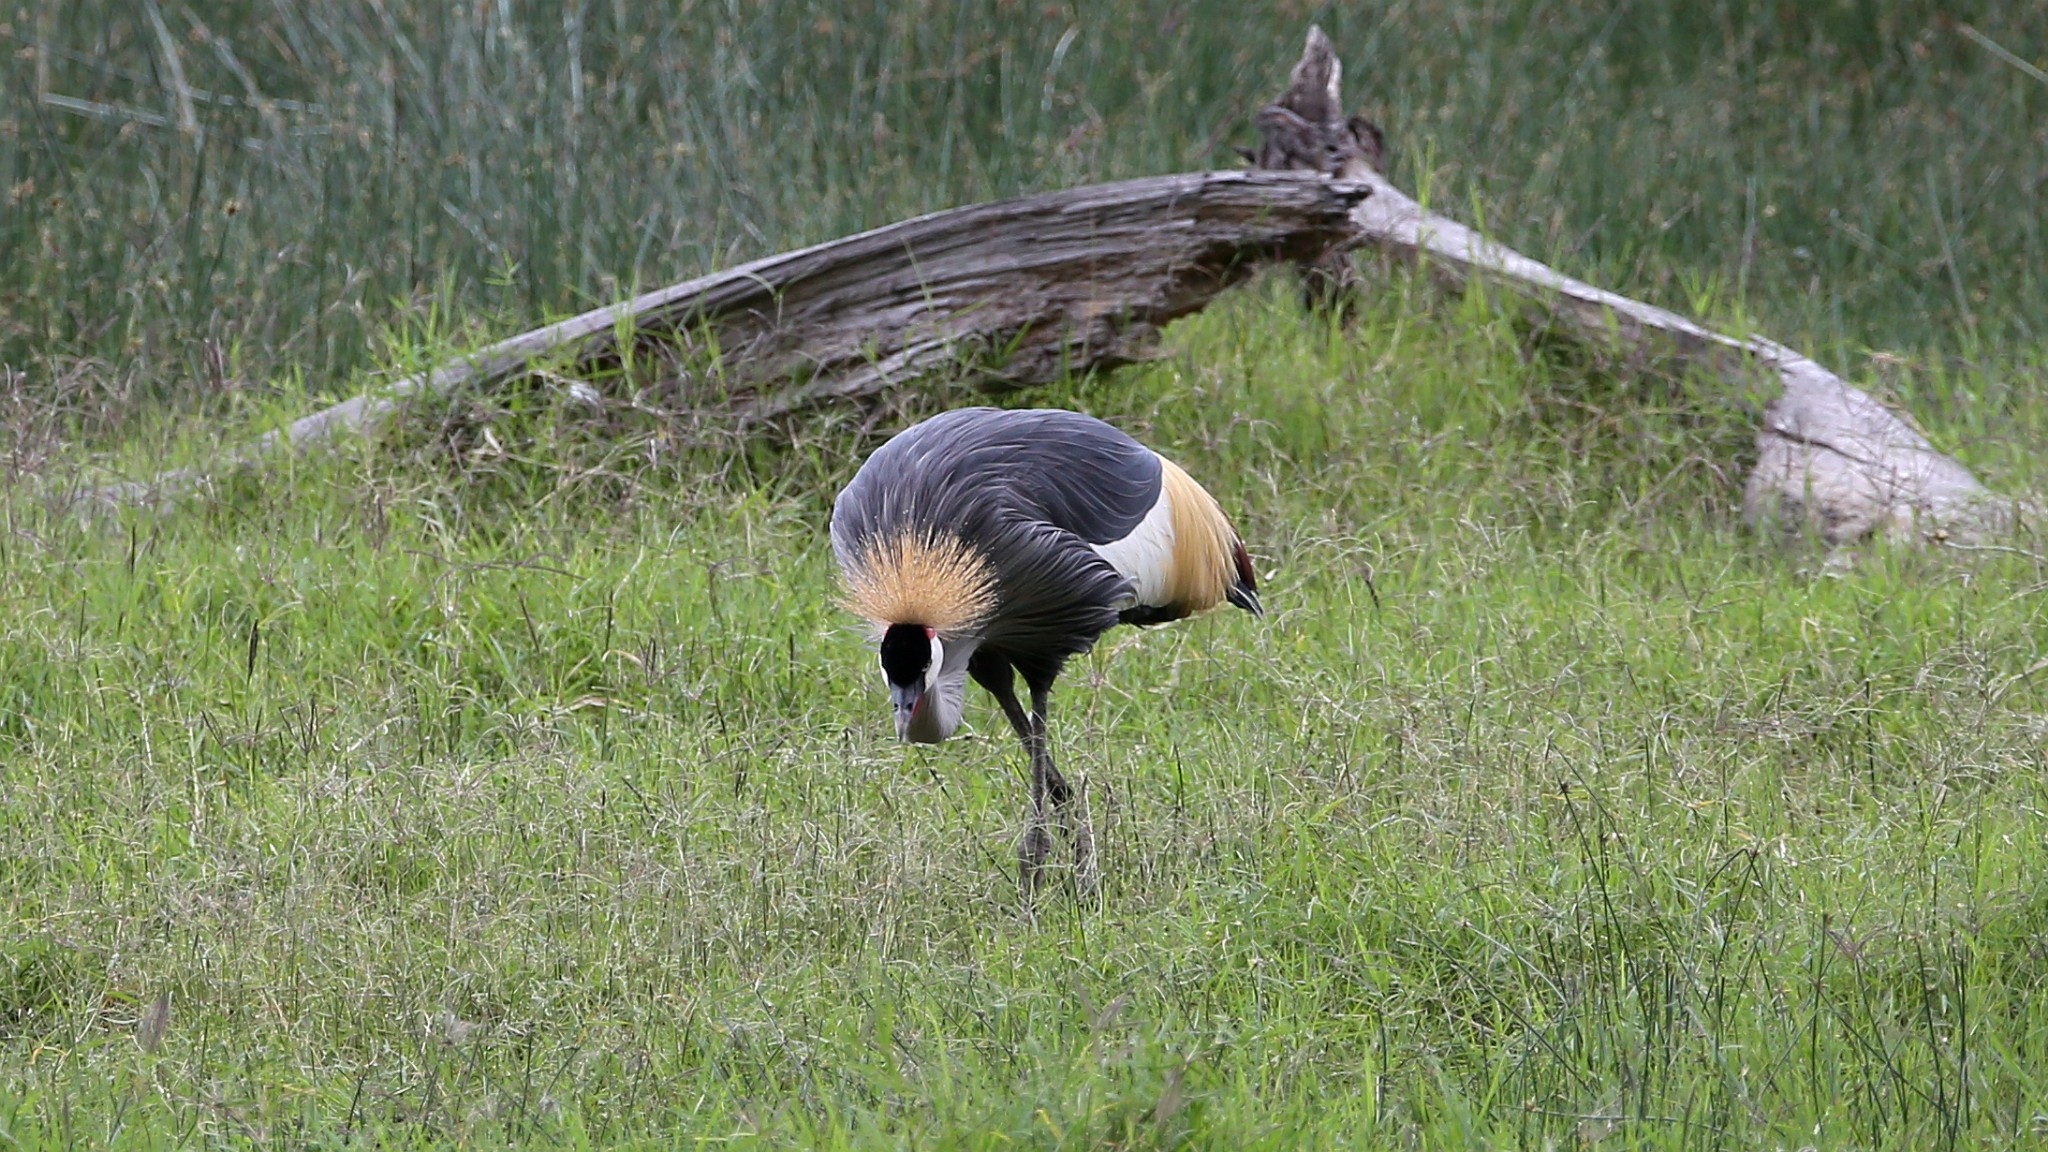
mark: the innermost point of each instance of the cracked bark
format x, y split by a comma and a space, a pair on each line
1016, 291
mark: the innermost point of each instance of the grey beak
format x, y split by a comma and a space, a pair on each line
905, 698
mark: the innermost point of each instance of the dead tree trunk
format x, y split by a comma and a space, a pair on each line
1023, 289
1830, 458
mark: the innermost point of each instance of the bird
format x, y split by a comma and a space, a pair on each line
994, 544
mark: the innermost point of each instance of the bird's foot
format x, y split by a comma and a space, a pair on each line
1032, 850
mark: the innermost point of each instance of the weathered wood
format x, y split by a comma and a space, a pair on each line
1830, 458
1024, 289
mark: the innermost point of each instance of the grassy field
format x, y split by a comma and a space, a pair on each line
513, 780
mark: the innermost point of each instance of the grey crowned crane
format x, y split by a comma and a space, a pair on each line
992, 543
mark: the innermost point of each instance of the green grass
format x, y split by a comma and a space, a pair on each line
535, 797
513, 781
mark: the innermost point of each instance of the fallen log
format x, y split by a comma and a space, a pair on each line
1830, 459
1023, 290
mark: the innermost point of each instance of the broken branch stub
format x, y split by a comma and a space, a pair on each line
1829, 457
1022, 290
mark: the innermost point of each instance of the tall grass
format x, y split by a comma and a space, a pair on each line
210, 198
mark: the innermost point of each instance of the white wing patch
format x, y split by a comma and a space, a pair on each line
1145, 557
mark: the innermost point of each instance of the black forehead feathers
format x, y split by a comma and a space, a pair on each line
906, 653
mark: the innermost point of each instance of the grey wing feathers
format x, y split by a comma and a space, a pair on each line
1070, 470
1089, 478
1058, 595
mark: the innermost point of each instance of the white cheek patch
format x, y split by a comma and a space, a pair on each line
931, 671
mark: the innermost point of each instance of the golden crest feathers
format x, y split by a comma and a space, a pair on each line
933, 579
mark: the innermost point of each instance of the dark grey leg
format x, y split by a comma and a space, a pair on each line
998, 677
1068, 802
1046, 785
